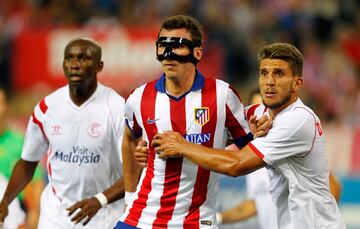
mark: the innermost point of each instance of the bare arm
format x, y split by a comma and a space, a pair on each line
131, 168
20, 177
141, 153
90, 206
231, 163
32, 196
240, 212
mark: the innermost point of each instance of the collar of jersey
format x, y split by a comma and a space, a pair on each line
92, 97
197, 85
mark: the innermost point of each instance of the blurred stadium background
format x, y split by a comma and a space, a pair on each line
33, 34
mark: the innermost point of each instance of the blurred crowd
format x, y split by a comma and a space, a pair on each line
326, 31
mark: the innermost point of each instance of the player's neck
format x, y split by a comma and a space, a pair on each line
80, 95
177, 86
276, 111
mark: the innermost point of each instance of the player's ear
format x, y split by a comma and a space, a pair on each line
198, 53
99, 66
298, 81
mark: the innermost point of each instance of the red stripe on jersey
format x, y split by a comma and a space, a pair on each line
50, 174
256, 150
50, 170
37, 122
233, 125
251, 111
147, 109
236, 93
43, 106
202, 177
173, 168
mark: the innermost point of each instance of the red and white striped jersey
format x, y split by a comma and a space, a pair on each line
82, 143
175, 193
255, 109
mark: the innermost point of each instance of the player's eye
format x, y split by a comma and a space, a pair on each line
279, 73
263, 73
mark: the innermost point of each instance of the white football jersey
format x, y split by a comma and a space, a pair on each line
82, 143
294, 151
176, 193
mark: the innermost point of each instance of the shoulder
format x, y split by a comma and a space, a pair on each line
112, 96
299, 119
219, 83
137, 92
112, 99
255, 109
298, 114
55, 98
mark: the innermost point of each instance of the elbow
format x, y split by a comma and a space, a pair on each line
234, 169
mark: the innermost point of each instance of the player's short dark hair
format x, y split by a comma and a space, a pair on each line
94, 45
286, 52
185, 22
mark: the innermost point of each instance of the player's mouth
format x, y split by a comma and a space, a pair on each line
75, 77
169, 63
269, 93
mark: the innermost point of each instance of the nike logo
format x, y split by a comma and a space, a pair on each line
152, 121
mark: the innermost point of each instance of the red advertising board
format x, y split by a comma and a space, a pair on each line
128, 55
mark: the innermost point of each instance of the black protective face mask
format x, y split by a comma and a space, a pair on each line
171, 43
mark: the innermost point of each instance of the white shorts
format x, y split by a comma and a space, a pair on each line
53, 214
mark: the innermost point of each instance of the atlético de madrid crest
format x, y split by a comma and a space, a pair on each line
202, 115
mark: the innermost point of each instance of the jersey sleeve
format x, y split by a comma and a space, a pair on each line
291, 135
117, 106
235, 119
35, 142
130, 118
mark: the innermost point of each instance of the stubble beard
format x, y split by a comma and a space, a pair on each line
278, 104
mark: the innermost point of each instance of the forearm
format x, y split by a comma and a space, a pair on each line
116, 191
221, 161
21, 176
244, 211
131, 169
231, 163
32, 195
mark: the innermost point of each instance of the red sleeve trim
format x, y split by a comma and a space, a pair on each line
37, 122
256, 150
43, 106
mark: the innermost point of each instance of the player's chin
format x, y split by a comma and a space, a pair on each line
271, 104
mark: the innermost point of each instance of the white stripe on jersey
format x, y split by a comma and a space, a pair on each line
168, 198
